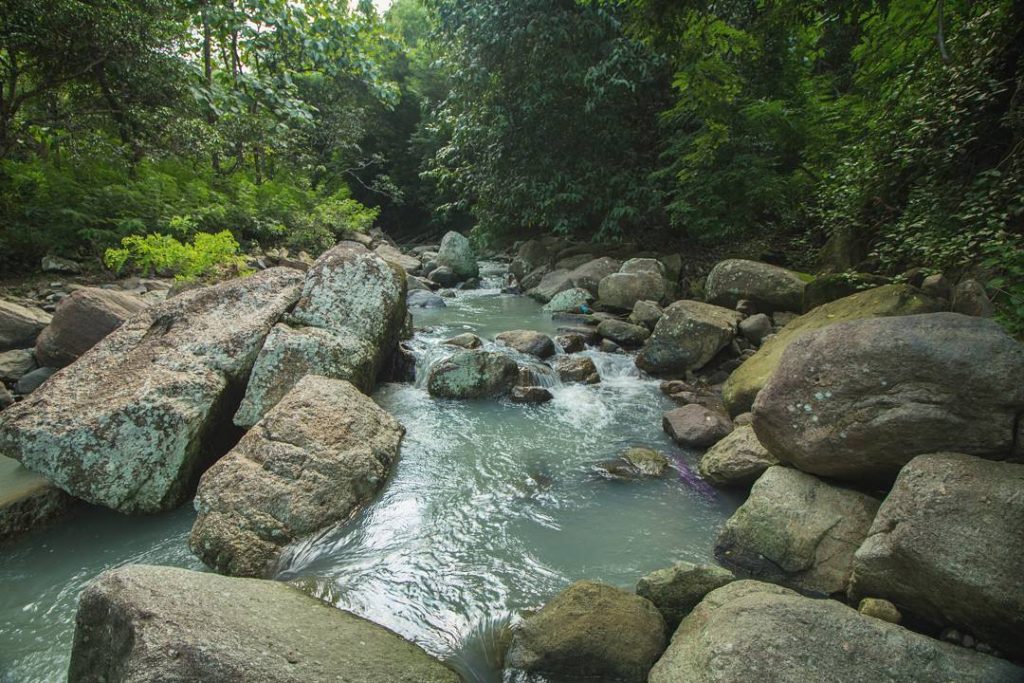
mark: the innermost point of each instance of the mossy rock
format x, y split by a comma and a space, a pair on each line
742, 386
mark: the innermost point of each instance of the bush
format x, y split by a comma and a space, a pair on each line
156, 254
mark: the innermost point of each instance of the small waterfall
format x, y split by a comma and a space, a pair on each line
536, 374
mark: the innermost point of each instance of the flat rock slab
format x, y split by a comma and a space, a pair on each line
320, 454
797, 530
753, 631
27, 500
138, 624
131, 424
947, 546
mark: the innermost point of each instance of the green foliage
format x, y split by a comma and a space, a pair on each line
156, 254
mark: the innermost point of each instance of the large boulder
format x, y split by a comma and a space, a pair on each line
346, 325
131, 424
688, 335
20, 325
81, 320
860, 399
528, 341
457, 253
621, 291
744, 383
394, 255
472, 374
590, 631
737, 460
569, 301
553, 283
140, 623
532, 255
589, 275
946, 546
797, 530
317, 456
676, 590
753, 631
769, 288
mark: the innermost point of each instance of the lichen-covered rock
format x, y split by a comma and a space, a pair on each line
878, 608
753, 631
768, 287
27, 500
687, 337
347, 323
138, 624
859, 399
317, 456
457, 253
569, 301
553, 283
20, 325
647, 461
473, 374
622, 333
946, 546
528, 341
743, 384
621, 291
797, 530
676, 590
81, 320
576, 368
696, 426
589, 275
737, 460
590, 631
131, 423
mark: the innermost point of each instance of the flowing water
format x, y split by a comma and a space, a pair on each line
492, 508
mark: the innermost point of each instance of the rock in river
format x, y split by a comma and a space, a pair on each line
346, 324
20, 325
687, 337
473, 374
946, 546
768, 287
676, 590
752, 631
139, 623
590, 631
695, 426
858, 400
318, 455
576, 368
737, 460
81, 320
528, 342
131, 424
457, 253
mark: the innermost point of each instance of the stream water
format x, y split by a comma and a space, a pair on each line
492, 508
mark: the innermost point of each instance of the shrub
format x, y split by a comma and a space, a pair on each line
156, 254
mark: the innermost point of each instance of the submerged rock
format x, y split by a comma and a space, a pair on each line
687, 337
457, 253
860, 399
529, 342
322, 452
647, 461
753, 631
132, 423
796, 530
695, 426
81, 320
473, 374
141, 623
946, 546
347, 323
20, 325
590, 631
768, 287
676, 590
737, 460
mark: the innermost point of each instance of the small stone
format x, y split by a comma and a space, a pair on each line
33, 380
695, 426
608, 346
467, 340
951, 635
756, 328
531, 395
880, 609
576, 368
937, 287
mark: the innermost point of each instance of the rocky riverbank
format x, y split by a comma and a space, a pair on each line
878, 432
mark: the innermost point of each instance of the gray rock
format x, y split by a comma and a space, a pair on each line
621, 291
321, 453
646, 313
28, 501
946, 546
532, 255
673, 264
34, 379
737, 460
57, 264
624, 334
16, 364
457, 253
768, 287
422, 298
969, 298
858, 400
531, 395
589, 275
676, 590
131, 423
5, 397
575, 261
878, 608
696, 426
756, 328
687, 337
20, 325
796, 530
568, 301
533, 278
393, 255
473, 374
139, 623
753, 631
346, 325
466, 340
937, 287
571, 342
644, 265
590, 631
553, 283
416, 284
576, 368
529, 342
443, 276
81, 320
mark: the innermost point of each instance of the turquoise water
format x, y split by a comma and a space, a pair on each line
492, 508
